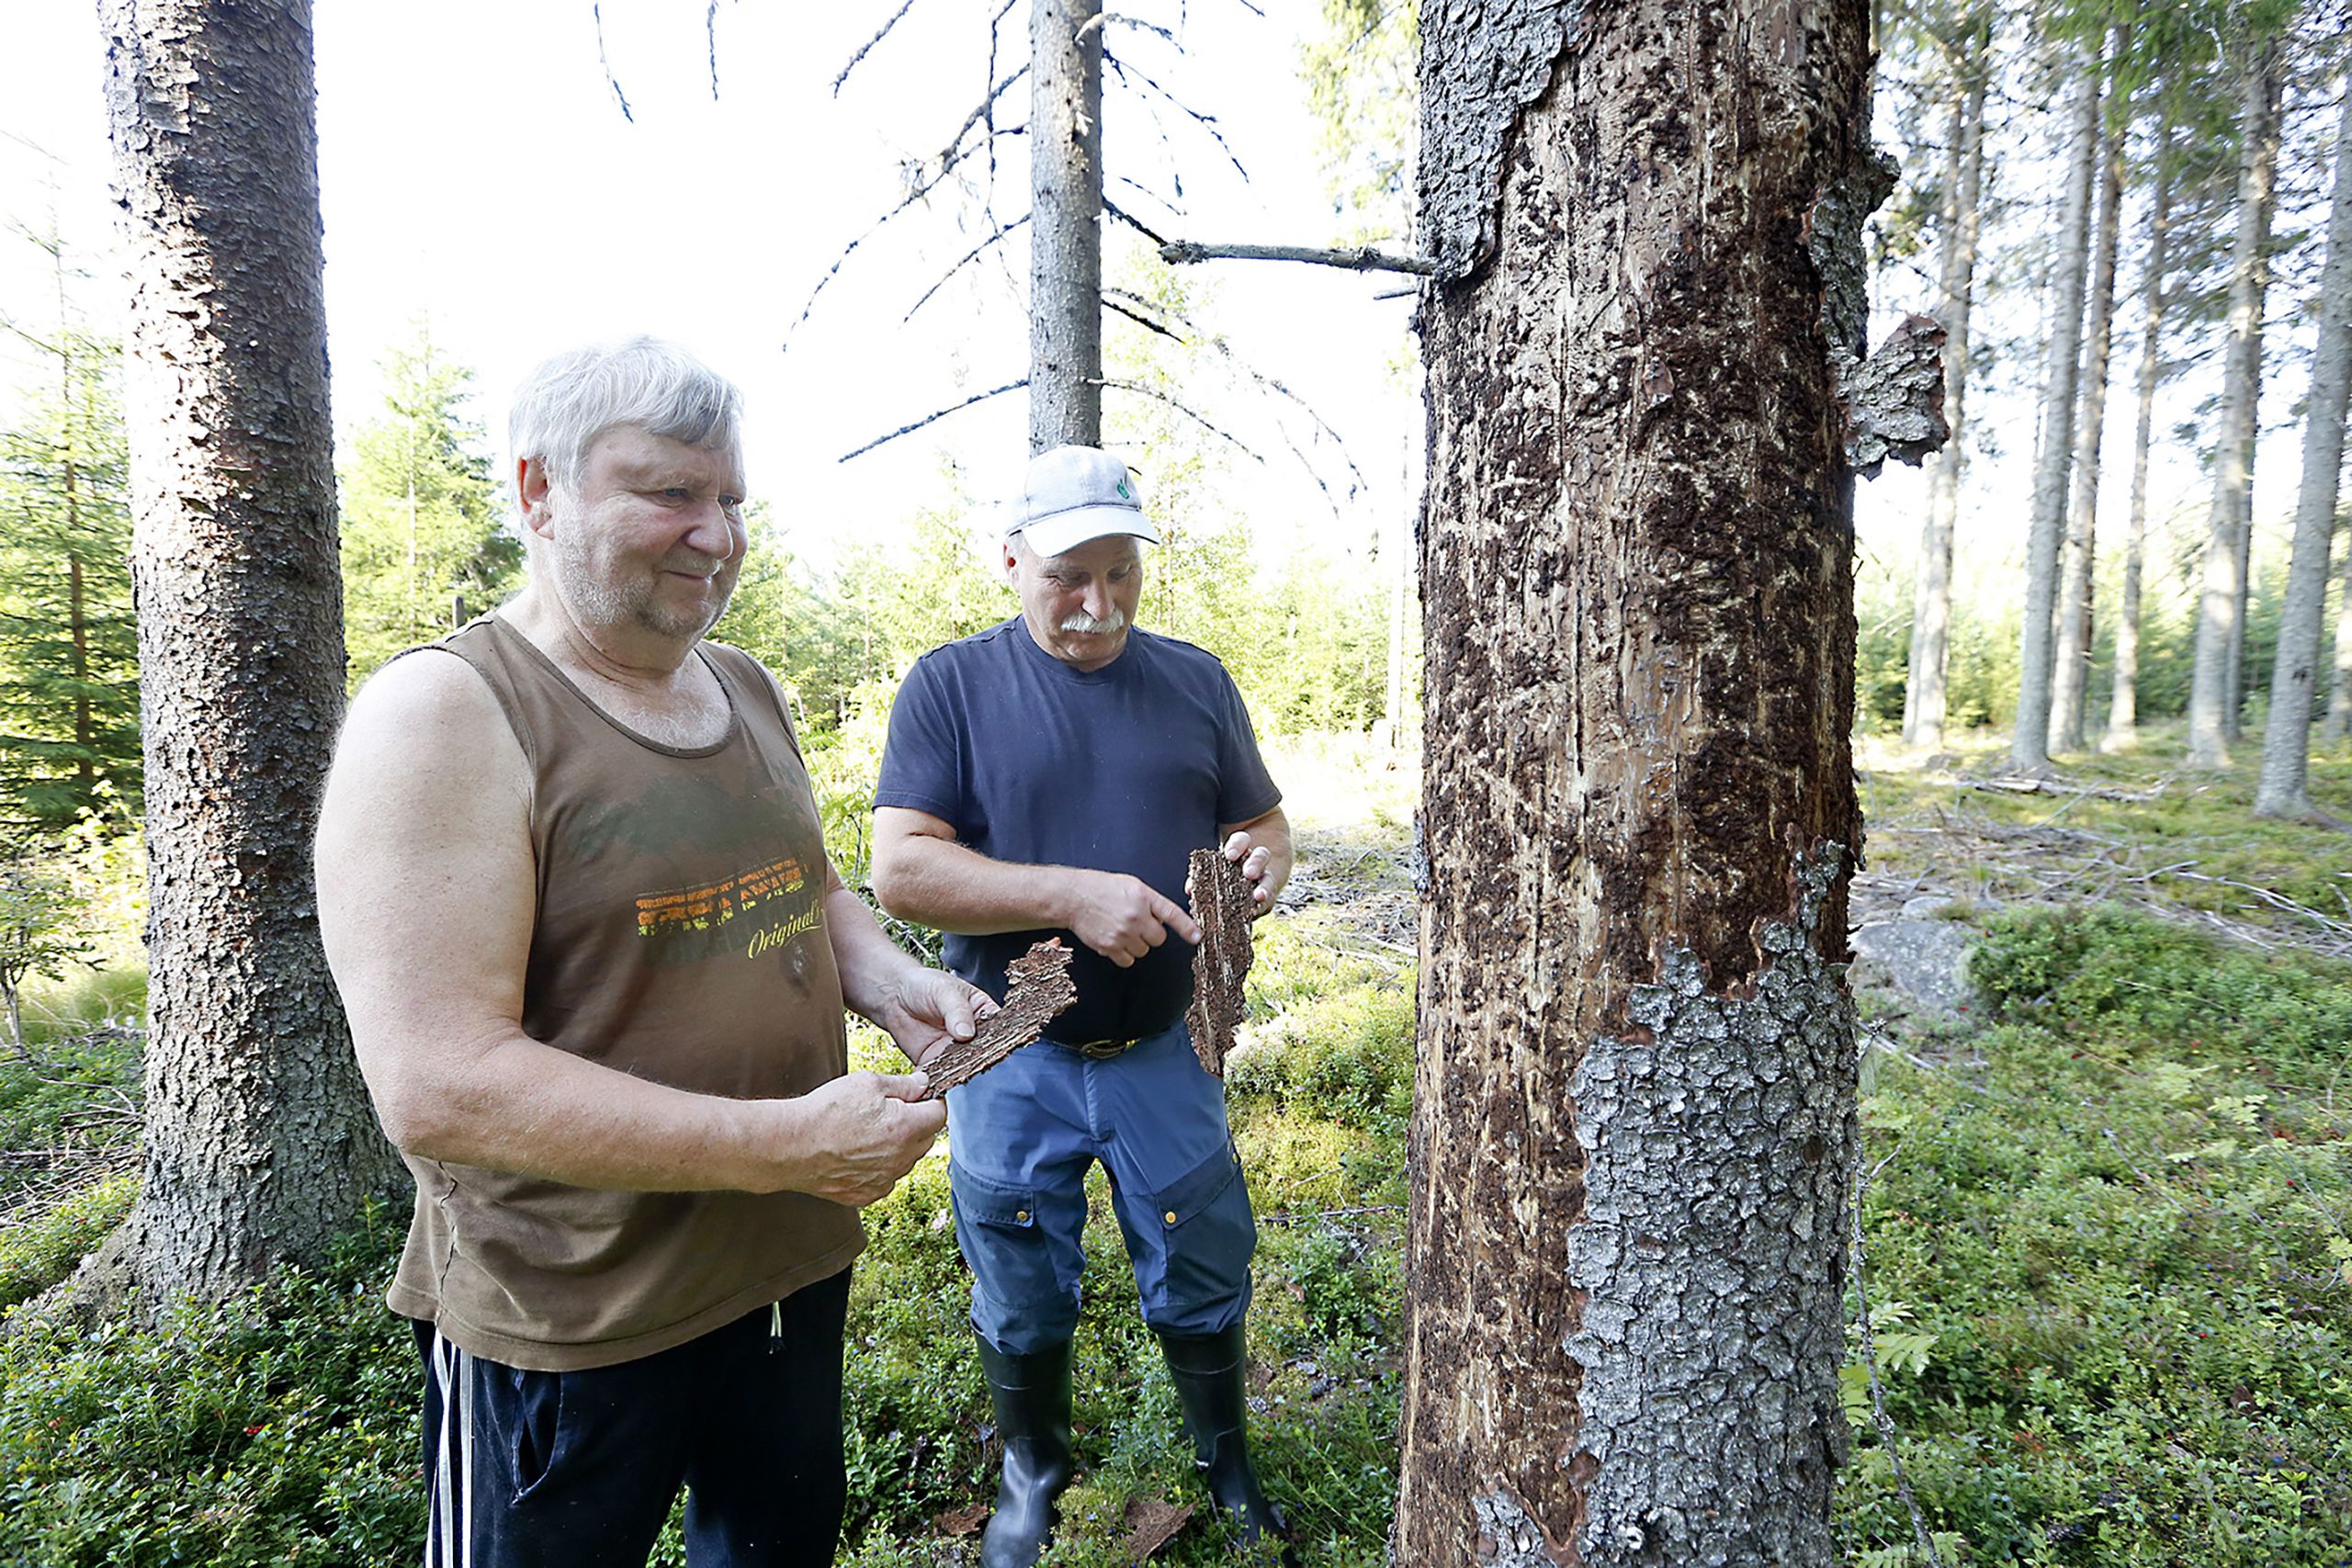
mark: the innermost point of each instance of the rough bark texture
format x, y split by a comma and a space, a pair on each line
2070, 673
2030, 744
2285, 743
1925, 685
2123, 700
259, 1141
1040, 987
1894, 399
2220, 603
1633, 1113
1065, 224
1221, 907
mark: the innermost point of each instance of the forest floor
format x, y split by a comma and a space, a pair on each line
2105, 1244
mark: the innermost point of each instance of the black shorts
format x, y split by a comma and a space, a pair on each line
578, 1470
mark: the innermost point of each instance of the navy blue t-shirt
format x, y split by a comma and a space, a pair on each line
1127, 768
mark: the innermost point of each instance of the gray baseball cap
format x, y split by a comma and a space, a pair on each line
1072, 495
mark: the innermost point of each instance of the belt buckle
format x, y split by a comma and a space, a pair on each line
1102, 1050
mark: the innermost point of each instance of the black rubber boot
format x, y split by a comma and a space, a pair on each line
1212, 1374
1031, 1395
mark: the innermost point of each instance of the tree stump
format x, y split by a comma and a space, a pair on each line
1041, 986
1223, 906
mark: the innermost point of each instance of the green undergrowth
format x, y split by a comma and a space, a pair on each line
2107, 1260
280, 1428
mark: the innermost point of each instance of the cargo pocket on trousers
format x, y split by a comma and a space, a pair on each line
1205, 1230
997, 1227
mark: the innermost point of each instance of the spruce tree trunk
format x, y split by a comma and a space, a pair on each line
1635, 1109
259, 1140
2286, 742
2071, 665
1927, 680
2029, 746
2123, 701
1065, 225
2222, 594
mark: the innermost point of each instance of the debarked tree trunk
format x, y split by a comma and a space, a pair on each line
1635, 1109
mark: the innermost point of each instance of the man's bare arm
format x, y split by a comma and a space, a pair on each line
920, 1008
425, 882
922, 872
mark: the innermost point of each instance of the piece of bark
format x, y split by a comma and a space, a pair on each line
1151, 1522
1040, 987
1221, 907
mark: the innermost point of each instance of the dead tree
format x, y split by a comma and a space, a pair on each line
1635, 1105
259, 1141
1065, 224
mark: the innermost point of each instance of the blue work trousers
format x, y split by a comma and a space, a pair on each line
1020, 1137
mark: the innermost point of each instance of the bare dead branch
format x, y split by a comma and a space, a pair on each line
866, 48
1146, 322
597, 12
1189, 412
1175, 206
710, 41
933, 418
1131, 220
1114, 18
954, 155
961, 262
1265, 382
1354, 258
1206, 121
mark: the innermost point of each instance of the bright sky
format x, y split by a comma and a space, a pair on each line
475, 164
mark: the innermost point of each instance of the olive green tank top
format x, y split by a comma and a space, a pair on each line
681, 938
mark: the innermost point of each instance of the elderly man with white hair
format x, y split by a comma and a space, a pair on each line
574, 892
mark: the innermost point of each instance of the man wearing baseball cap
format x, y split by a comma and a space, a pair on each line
1051, 775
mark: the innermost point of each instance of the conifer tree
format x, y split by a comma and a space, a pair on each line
423, 547
69, 657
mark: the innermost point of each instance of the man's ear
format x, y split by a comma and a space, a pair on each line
531, 491
1011, 558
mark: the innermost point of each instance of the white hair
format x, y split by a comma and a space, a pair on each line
657, 387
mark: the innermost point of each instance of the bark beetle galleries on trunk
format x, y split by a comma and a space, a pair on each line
259, 1143
1634, 1113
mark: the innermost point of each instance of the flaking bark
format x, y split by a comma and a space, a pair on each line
259, 1143
1633, 1100
1038, 987
1221, 907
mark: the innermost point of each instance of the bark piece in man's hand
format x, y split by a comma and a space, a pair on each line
1221, 907
1039, 987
